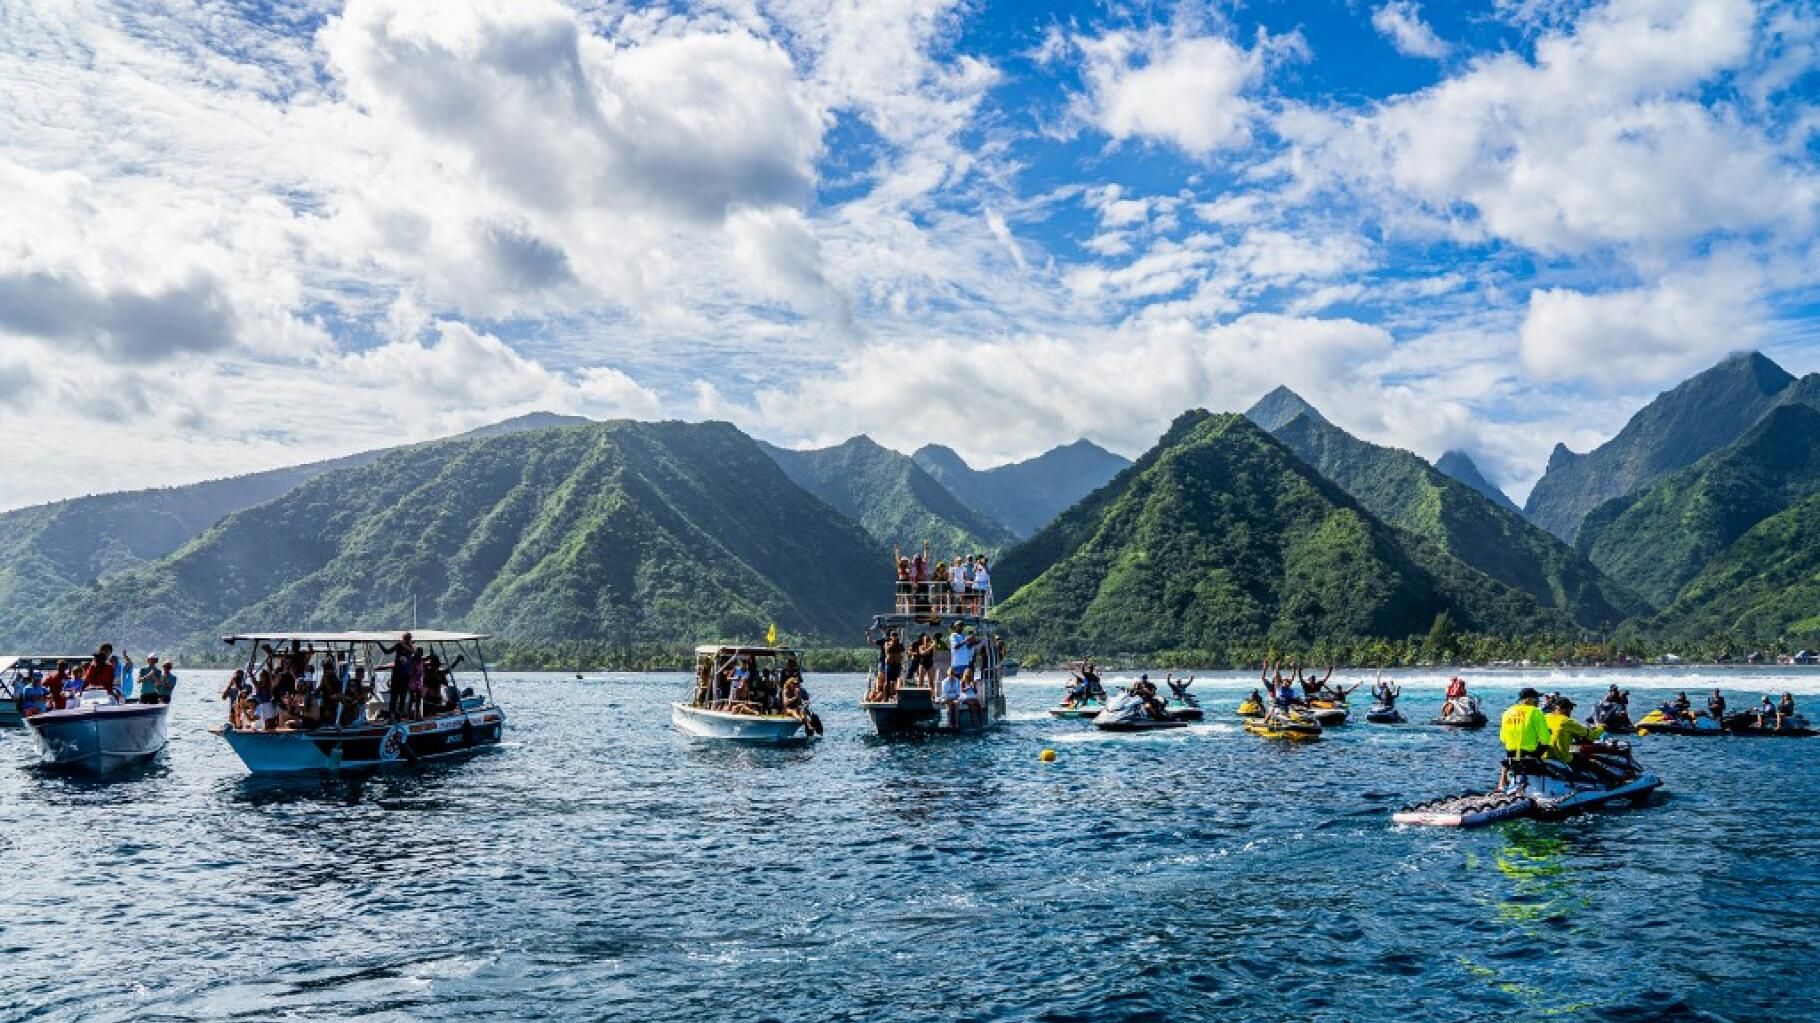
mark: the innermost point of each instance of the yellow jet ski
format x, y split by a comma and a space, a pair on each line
1251, 708
1293, 727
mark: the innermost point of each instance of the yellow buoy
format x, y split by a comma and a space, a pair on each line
1047, 756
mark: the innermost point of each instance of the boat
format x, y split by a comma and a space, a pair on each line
911, 705
1604, 773
16, 671
1251, 707
1461, 712
712, 713
1131, 712
1660, 722
368, 738
97, 733
1293, 726
1385, 712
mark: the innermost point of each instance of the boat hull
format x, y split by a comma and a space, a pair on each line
366, 746
702, 723
100, 738
916, 710
10, 717
1085, 711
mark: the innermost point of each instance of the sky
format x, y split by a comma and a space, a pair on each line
240, 235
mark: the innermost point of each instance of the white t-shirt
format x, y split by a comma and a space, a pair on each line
981, 580
958, 580
951, 688
962, 654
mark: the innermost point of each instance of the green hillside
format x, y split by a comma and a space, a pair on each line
1405, 491
623, 532
1763, 588
891, 496
1024, 496
1459, 465
1219, 535
1681, 426
1659, 539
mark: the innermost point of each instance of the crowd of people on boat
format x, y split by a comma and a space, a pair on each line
930, 585
741, 685
1770, 713
913, 664
301, 688
105, 672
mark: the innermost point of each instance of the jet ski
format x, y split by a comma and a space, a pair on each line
1183, 705
1461, 712
1603, 773
1793, 727
1128, 712
1329, 712
1382, 713
1293, 726
1613, 718
1662, 722
1088, 708
1251, 708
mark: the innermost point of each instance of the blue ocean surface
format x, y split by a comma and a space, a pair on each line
599, 866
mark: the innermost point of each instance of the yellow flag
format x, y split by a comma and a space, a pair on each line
771, 636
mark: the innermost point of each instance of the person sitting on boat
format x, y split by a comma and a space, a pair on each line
1785, 709
1523, 731
266, 707
950, 696
796, 702
352, 707
284, 697
1766, 712
1684, 707
34, 696
1565, 732
1145, 690
1715, 708
100, 672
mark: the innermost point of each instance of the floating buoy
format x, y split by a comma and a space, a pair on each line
1047, 756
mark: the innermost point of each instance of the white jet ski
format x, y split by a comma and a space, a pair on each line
1603, 773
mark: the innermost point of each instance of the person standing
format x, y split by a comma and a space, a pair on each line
100, 672
398, 688
982, 585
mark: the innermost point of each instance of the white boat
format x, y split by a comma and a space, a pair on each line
366, 736
16, 671
98, 734
716, 711
909, 705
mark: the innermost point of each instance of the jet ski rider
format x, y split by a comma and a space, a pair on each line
1145, 690
1523, 730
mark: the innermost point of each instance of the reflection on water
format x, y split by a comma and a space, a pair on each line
600, 866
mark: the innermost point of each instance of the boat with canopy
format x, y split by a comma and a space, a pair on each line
741, 696
345, 722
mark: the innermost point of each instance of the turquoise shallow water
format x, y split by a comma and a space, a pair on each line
600, 867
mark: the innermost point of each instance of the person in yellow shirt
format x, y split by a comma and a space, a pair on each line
1523, 730
1564, 731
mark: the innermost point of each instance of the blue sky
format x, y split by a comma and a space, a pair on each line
273, 232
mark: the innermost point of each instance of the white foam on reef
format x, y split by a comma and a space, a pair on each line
1742, 679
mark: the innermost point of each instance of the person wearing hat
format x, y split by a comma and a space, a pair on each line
1523, 729
1564, 731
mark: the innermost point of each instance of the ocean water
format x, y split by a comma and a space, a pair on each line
601, 867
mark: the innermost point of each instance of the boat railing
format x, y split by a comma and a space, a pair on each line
914, 598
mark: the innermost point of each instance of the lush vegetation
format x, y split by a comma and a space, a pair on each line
1024, 496
624, 533
1703, 414
1407, 492
1460, 466
1221, 535
1762, 590
1661, 538
892, 497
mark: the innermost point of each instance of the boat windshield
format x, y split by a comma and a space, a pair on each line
748, 680
306, 681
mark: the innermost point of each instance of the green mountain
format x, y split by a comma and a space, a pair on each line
1659, 539
621, 532
53, 549
1279, 408
1405, 491
1762, 588
1024, 496
1460, 466
1678, 428
891, 496
1221, 534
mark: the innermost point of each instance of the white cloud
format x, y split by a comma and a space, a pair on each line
1187, 91
1657, 332
1401, 22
